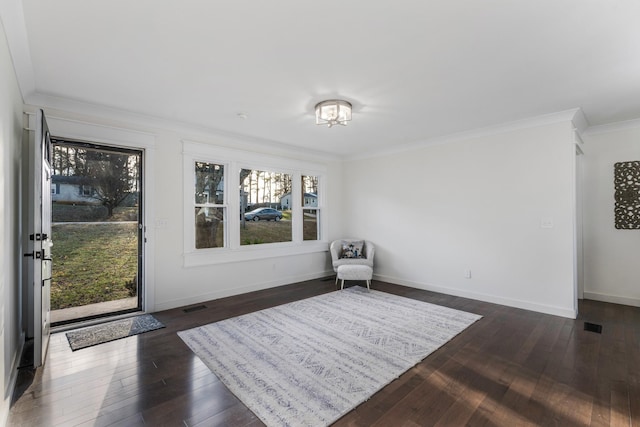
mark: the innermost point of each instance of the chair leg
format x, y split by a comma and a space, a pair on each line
336, 279
342, 285
368, 284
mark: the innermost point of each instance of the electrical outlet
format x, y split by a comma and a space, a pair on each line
546, 222
467, 273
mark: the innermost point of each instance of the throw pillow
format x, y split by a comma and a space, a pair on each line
352, 249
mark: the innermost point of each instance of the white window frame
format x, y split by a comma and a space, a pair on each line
317, 208
224, 206
234, 160
251, 166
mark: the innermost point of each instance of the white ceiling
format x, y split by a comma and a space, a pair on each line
414, 70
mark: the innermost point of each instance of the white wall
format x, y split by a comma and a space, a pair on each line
177, 285
10, 248
476, 205
611, 256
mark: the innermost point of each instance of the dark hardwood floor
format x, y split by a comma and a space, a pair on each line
513, 367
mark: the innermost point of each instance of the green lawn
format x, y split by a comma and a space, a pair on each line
98, 262
275, 231
62, 212
93, 263
256, 232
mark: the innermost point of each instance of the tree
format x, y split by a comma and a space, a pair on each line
61, 161
111, 175
244, 173
310, 184
283, 185
209, 177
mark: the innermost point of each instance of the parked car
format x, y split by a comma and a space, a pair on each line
263, 213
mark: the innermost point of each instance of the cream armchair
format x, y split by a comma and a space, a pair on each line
352, 252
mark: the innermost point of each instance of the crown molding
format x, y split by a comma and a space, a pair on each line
545, 119
12, 17
63, 127
191, 131
580, 121
613, 127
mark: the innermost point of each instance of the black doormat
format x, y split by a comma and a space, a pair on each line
111, 331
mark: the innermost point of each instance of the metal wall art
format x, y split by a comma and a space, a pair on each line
626, 178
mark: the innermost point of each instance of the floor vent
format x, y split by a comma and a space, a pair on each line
194, 308
593, 327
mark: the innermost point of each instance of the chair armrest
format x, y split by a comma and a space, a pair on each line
370, 251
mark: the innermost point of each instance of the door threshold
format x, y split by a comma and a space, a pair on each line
90, 311
83, 323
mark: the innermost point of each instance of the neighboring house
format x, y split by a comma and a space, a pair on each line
310, 201
73, 189
79, 190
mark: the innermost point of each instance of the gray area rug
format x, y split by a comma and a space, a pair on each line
309, 362
110, 331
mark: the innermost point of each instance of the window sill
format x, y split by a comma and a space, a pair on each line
251, 252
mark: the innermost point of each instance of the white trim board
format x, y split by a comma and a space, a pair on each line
121, 137
633, 302
527, 123
612, 127
166, 124
218, 150
509, 302
13, 379
202, 298
91, 132
234, 251
202, 257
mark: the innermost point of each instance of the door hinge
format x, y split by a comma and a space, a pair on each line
38, 236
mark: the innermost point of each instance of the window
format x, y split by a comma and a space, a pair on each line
310, 211
210, 205
264, 218
241, 205
86, 190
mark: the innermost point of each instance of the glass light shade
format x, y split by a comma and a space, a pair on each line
333, 112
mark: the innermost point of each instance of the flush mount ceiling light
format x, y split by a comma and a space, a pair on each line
333, 112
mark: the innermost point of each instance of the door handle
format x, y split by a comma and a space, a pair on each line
37, 255
34, 255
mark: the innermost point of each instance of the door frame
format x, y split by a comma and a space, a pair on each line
99, 134
577, 205
140, 274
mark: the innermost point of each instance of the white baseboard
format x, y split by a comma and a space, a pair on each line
223, 293
13, 379
4, 409
634, 302
526, 305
